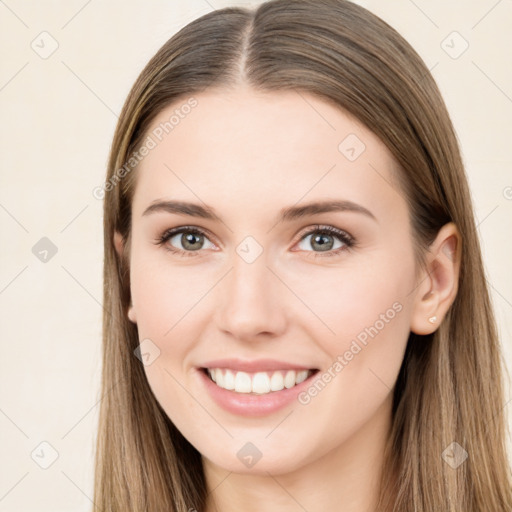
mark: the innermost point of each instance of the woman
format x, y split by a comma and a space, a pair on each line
296, 314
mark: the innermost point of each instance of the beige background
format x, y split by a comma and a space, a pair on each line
58, 115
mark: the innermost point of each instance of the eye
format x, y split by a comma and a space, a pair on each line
324, 239
189, 239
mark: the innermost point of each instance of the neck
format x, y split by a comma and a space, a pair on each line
346, 478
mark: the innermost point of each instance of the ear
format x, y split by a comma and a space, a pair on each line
438, 283
119, 246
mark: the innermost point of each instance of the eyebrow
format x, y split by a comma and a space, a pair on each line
286, 214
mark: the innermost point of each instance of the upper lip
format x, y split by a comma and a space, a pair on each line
255, 365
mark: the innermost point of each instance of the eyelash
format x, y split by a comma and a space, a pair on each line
348, 241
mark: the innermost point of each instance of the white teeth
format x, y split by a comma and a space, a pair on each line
243, 382
277, 381
219, 378
229, 380
289, 379
301, 376
259, 383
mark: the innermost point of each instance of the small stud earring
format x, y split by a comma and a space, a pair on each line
433, 319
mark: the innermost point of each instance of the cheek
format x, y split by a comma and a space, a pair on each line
166, 305
165, 295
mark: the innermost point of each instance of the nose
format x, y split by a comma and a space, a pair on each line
251, 301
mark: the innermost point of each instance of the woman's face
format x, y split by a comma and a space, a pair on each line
254, 291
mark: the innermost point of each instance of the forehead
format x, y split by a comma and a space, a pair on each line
237, 147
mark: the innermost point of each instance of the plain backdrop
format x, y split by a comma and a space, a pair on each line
66, 68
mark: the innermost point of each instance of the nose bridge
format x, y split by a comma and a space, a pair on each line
250, 302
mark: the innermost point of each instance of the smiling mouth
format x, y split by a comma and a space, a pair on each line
259, 383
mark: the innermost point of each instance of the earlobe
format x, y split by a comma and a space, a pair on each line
438, 284
131, 314
118, 243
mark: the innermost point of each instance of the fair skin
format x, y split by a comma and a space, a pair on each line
247, 155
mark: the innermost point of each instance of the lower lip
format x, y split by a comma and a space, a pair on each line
245, 404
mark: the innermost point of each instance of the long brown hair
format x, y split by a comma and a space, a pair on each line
450, 386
